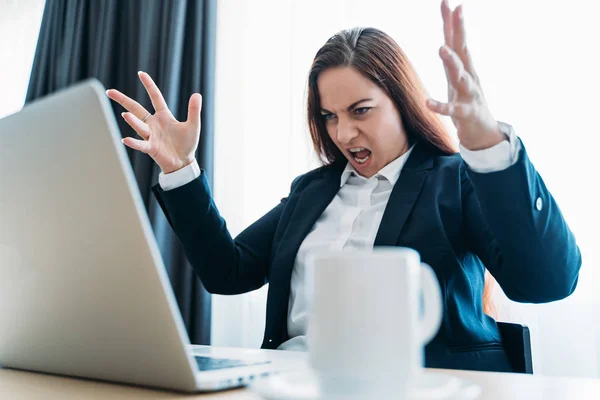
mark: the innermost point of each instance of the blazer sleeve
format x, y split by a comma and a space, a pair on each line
515, 227
224, 265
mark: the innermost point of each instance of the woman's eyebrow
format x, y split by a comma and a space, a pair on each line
350, 107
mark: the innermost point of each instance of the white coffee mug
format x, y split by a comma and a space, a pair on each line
367, 325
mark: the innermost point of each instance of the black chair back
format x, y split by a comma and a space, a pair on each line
517, 345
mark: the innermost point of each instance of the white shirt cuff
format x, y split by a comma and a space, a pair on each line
180, 177
496, 158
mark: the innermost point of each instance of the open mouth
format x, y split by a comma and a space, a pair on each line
360, 154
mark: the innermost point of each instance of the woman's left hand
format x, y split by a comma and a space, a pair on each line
476, 127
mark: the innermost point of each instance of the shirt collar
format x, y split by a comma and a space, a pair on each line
391, 171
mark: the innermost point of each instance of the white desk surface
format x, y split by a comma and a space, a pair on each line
496, 386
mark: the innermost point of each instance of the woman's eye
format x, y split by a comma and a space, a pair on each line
328, 117
361, 111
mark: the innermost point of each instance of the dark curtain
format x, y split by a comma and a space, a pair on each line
172, 40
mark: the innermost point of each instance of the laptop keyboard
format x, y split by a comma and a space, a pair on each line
210, 363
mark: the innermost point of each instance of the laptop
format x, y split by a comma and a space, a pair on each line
83, 288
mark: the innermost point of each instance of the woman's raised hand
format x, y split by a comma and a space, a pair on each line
476, 127
170, 143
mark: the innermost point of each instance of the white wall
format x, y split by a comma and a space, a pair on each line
539, 67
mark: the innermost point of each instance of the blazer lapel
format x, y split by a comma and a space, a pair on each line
404, 195
310, 204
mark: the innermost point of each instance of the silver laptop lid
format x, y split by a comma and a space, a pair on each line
83, 289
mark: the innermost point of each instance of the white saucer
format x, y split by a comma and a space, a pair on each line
302, 385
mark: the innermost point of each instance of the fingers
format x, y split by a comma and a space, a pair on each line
194, 108
141, 128
129, 104
455, 110
136, 144
447, 18
455, 71
459, 40
156, 97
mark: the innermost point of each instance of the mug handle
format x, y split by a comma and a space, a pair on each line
432, 298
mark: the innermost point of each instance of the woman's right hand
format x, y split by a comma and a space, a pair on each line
170, 143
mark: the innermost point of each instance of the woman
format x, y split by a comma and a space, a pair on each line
391, 177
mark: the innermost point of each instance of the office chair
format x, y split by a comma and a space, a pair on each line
517, 344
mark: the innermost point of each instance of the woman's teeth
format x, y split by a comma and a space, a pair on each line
360, 154
362, 160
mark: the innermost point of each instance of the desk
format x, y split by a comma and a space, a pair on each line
18, 385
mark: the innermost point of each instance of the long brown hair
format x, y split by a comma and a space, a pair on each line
379, 58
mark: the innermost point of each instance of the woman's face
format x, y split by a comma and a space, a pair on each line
359, 115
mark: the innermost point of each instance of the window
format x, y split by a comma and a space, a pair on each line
19, 28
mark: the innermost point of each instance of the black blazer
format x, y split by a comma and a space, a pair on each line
459, 221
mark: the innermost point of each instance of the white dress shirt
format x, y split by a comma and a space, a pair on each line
352, 219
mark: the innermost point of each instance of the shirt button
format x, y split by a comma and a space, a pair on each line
538, 204
270, 340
